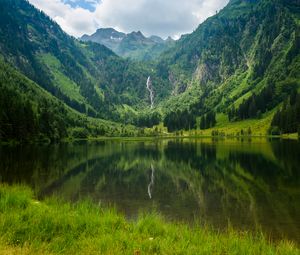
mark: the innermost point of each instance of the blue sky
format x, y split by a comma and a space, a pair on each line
85, 4
152, 17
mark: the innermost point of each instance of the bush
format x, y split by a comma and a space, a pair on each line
274, 131
80, 133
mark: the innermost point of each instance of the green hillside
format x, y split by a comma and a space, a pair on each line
28, 112
243, 62
238, 70
88, 77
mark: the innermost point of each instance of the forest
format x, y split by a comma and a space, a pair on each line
287, 119
237, 63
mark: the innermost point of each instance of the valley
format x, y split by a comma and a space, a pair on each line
234, 72
114, 140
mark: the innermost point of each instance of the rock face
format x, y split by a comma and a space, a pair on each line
109, 37
133, 45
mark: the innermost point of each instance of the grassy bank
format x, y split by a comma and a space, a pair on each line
54, 227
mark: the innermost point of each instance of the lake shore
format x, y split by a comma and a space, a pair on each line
28, 226
293, 136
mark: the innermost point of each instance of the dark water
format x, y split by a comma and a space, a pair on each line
249, 185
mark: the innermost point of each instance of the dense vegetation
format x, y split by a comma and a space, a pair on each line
178, 120
287, 119
88, 77
208, 120
243, 62
254, 106
28, 112
148, 119
53, 226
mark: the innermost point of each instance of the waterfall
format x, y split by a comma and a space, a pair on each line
150, 89
150, 186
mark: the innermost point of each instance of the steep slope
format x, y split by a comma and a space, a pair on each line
246, 53
109, 37
239, 65
88, 77
28, 112
133, 45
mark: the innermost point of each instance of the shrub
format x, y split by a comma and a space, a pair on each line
274, 131
80, 133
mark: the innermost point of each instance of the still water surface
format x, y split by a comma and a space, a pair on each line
249, 185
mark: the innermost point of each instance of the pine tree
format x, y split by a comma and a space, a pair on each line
249, 131
252, 111
203, 122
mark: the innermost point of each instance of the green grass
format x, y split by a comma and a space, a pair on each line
67, 86
259, 127
28, 226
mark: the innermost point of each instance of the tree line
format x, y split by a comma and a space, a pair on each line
254, 106
186, 120
180, 120
287, 119
19, 121
208, 120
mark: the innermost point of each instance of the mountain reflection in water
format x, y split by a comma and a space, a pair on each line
251, 184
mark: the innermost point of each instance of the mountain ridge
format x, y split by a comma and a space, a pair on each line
87, 76
246, 47
238, 67
134, 45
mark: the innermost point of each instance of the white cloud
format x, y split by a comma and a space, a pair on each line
159, 17
75, 21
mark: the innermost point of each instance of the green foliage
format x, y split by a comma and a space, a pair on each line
21, 117
287, 119
254, 106
80, 133
244, 60
148, 119
275, 131
88, 77
29, 113
52, 226
180, 120
208, 120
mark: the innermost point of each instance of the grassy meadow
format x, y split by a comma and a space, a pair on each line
28, 226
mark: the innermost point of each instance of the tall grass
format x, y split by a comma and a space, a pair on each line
52, 226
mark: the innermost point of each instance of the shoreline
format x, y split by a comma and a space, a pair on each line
52, 226
294, 137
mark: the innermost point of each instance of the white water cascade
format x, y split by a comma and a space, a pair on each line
150, 186
150, 89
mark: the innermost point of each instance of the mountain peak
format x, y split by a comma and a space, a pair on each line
134, 44
137, 34
156, 39
170, 39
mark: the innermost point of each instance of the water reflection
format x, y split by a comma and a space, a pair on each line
247, 184
151, 184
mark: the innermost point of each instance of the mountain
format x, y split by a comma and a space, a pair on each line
83, 77
237, 73
86, 76
133, 45
29, 113
109, 37
238, 65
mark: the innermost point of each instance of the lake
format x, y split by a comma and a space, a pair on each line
248, 184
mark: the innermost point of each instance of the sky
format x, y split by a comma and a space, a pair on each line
153, 17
